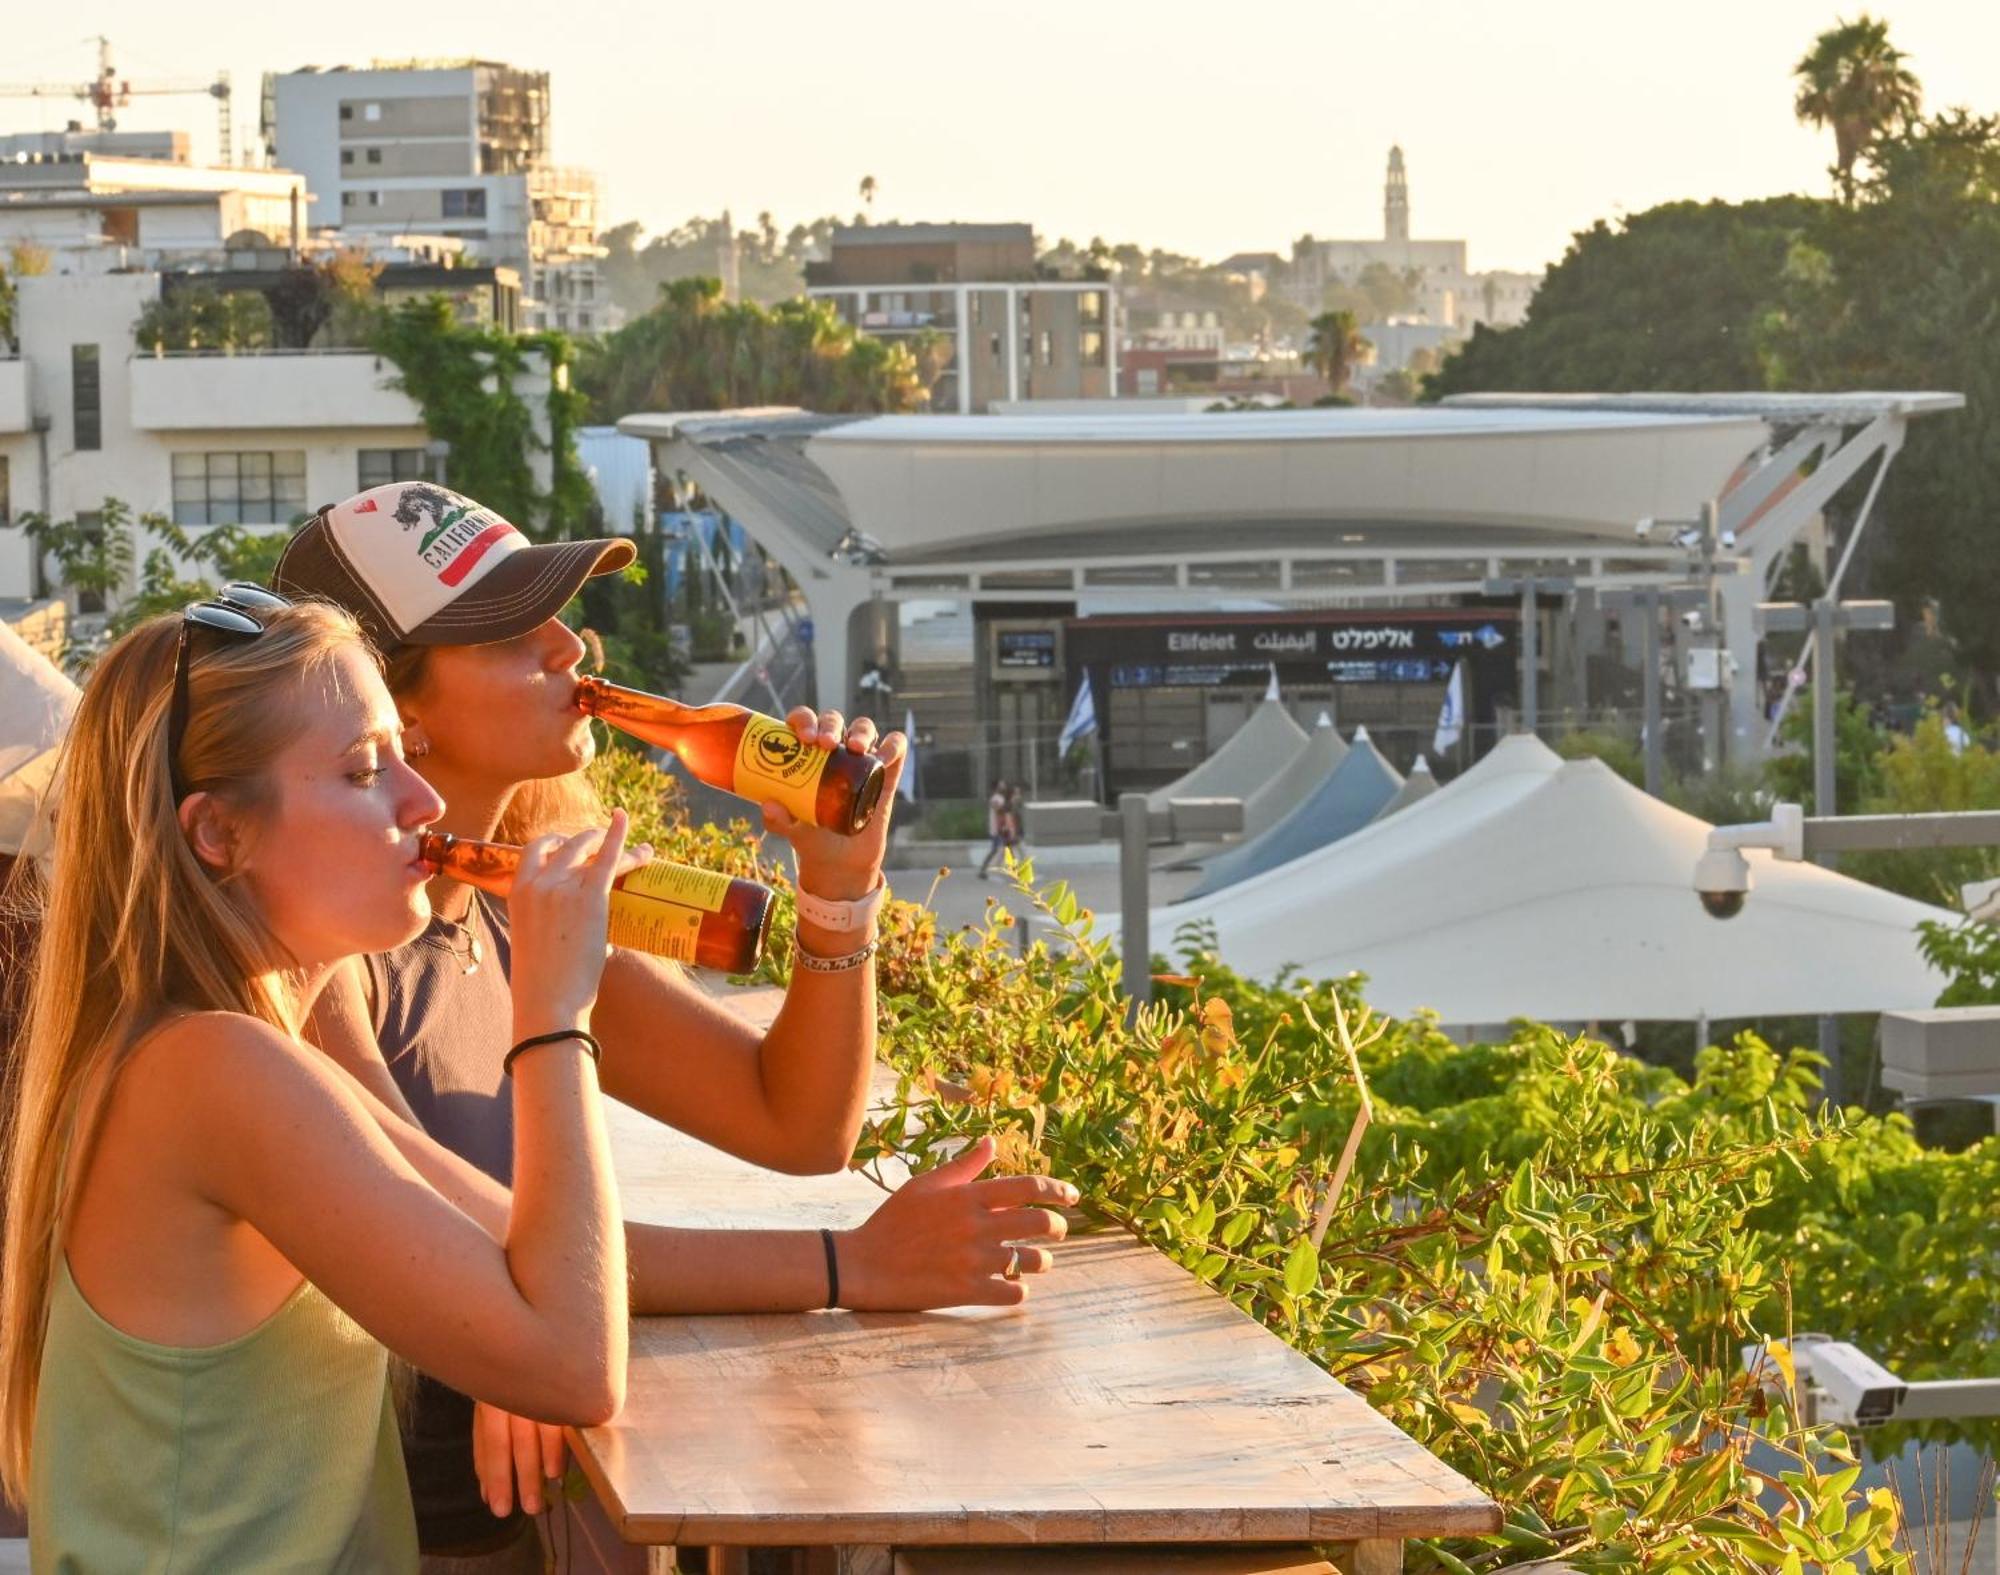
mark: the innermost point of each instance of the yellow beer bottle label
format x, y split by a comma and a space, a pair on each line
773, 765
681, 884
658, 909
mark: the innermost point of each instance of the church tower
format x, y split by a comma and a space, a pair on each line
1396, 201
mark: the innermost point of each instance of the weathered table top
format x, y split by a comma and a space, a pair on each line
1126, 1402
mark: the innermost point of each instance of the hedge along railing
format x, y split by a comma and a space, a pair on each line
1547, 1255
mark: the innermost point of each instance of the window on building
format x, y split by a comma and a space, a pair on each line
86, 401
346, 155
256, 488
1048, 348
6, 494
374, 155
1090, 347
380, 466
347, 112
996, 346
1090, 305
372, 112
465, 202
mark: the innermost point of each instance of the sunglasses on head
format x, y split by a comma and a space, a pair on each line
239, 611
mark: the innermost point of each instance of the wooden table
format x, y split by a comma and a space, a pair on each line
1125, 1403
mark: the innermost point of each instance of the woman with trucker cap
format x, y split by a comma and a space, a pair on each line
484, 674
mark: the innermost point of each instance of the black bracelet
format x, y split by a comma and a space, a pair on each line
587, 1041
832, 1269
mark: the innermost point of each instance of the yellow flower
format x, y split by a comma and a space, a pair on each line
1620, 1347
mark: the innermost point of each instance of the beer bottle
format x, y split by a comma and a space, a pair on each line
746, 753
671, 910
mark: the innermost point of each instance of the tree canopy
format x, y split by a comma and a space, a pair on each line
695, 351
1894, 290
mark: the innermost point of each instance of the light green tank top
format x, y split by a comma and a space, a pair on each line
275, 1451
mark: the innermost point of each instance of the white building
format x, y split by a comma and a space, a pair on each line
1447, 291
456, 148
92, 210
251, 438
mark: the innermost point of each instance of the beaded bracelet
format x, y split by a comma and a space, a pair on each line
586, 1040
812, 962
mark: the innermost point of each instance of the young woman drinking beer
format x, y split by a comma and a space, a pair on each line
211, 1232
485, 678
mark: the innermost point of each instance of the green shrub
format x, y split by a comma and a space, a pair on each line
1546, 1258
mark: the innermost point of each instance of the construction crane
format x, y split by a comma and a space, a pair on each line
107, 93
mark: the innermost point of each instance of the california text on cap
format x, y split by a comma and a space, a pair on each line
419, 565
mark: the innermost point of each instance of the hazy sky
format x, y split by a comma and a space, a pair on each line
1204, 128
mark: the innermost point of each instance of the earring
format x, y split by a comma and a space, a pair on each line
415, 748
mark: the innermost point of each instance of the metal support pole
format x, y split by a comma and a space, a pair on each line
1824, 794
1134, 898
1649, 606
1531, 660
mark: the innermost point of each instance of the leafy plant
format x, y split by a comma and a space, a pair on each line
1547, 1257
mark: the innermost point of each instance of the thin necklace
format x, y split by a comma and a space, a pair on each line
470, 955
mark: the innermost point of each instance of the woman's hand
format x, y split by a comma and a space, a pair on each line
945, 1238
833, 867
509, 1450
559, 910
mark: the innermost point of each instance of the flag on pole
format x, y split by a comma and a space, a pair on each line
1451, 715
907, 788
1271, 689
1082, 717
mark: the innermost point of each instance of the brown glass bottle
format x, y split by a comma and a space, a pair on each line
671, 910
746, 753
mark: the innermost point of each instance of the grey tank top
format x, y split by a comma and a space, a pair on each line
444, 1033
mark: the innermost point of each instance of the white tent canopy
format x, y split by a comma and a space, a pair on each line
1533, 887
1340, 806
1256, 752
1323, 752
1419, 784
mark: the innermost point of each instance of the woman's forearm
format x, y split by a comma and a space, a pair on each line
684, 1272
565, 1245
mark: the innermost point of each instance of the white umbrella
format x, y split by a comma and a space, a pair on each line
36, 702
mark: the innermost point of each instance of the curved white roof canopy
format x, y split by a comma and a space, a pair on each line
36, 703
931, 487
1533, 887
1263, 746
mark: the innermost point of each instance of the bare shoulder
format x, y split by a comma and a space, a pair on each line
205, 1063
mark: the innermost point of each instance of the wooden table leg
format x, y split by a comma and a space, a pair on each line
1377, 1556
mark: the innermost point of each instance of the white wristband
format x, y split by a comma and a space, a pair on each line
842, 918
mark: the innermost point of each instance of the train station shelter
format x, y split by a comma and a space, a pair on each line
1363, 551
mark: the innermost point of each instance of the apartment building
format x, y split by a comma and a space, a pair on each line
251, 438
1007, 333
457, 148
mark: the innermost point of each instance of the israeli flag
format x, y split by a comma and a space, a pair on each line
1451, 715
1082, 717
907, 788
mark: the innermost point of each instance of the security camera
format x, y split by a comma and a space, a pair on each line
1728, 540
1692, 618
1722, 881
1858, 1389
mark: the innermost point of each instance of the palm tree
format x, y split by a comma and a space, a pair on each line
1854, 80
1335, 347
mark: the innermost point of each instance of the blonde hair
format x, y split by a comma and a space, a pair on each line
136, 928
568, 803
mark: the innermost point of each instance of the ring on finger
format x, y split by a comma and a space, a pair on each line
1013, 1269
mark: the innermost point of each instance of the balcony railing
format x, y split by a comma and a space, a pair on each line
267, 389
